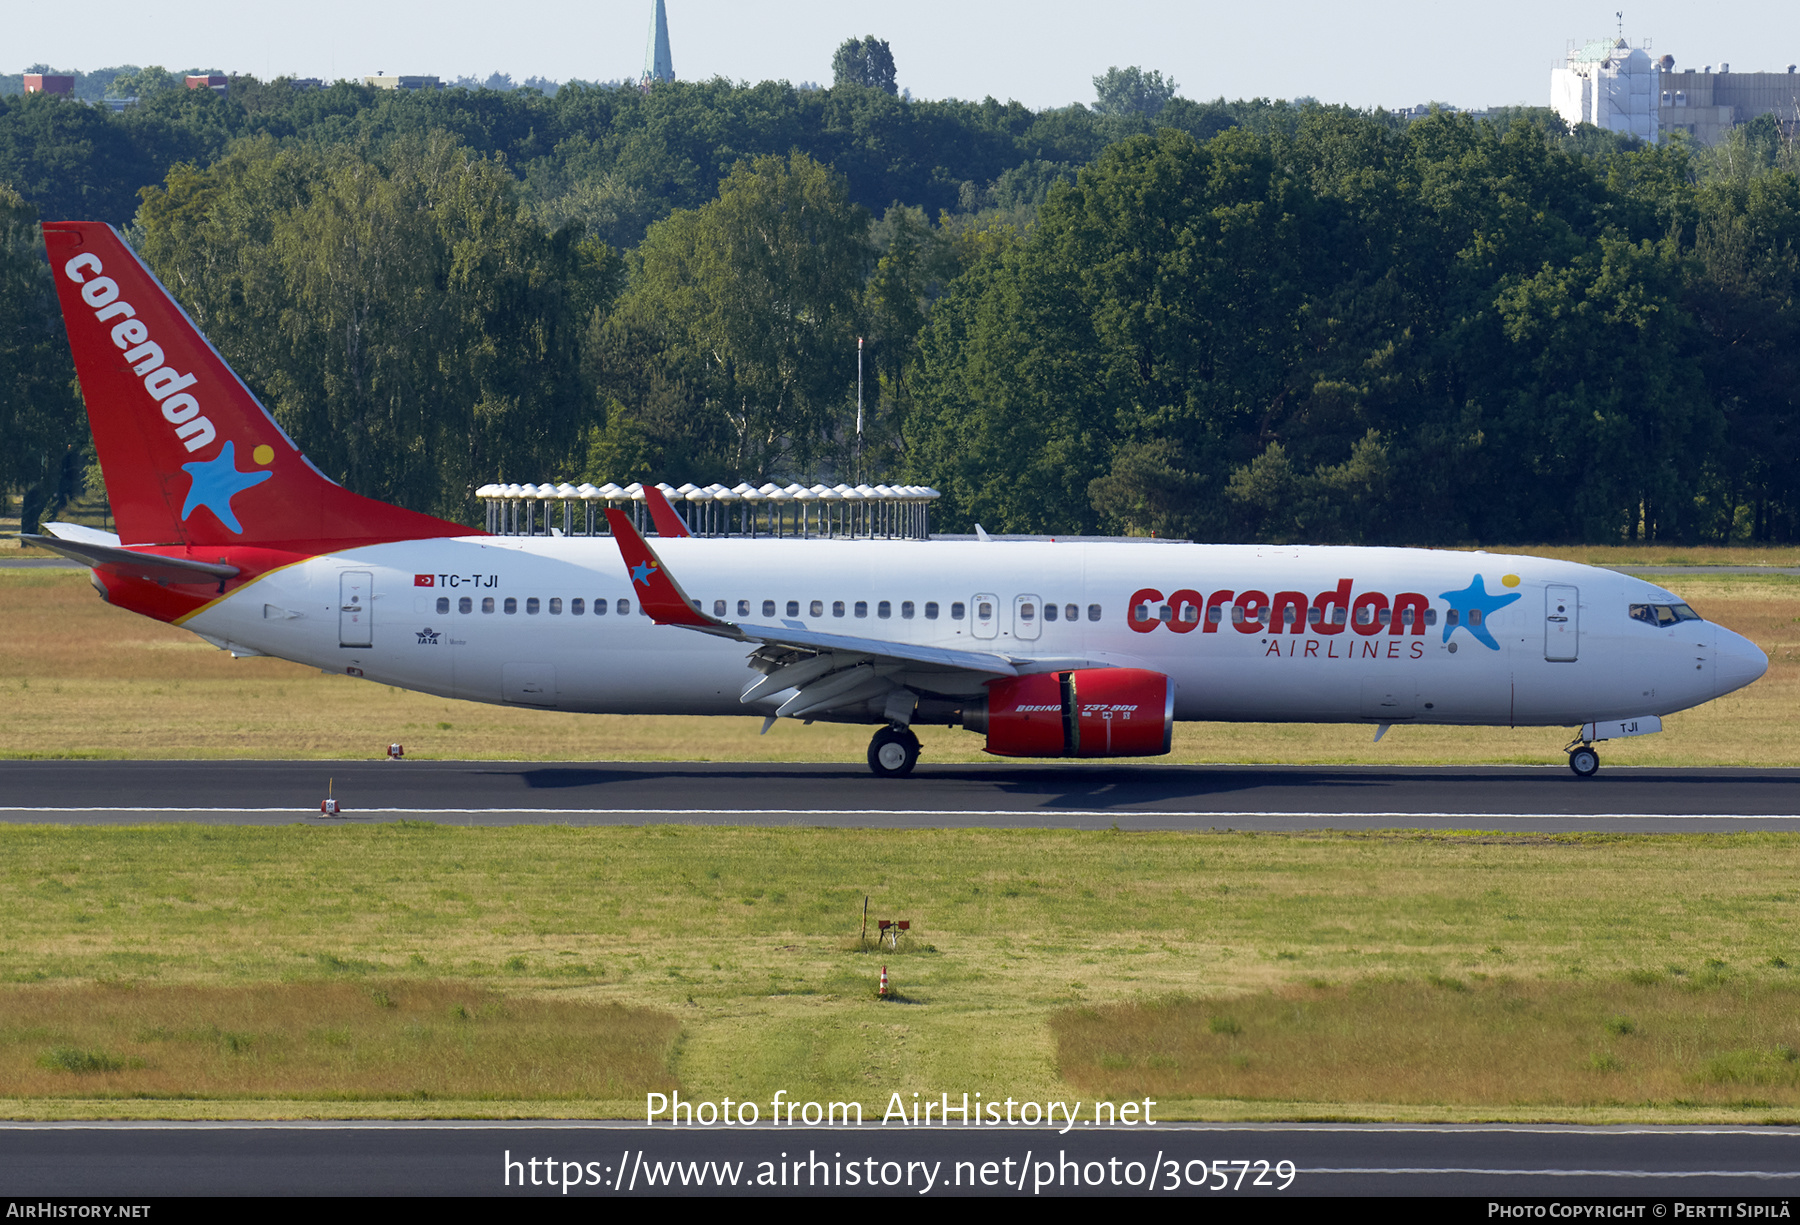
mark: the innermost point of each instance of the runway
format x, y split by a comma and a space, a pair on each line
611, 1159
1514, 799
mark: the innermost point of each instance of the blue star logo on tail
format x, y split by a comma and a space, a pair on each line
641, 573
216, 482
1475, 599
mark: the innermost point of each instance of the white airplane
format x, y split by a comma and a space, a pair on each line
1048, 649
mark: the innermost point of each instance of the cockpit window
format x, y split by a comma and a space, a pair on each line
1663, 615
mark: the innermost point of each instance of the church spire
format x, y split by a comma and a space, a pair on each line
658, 65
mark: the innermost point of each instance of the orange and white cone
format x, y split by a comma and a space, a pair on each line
883, 991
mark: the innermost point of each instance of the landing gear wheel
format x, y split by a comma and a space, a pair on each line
1584, 761
893, 752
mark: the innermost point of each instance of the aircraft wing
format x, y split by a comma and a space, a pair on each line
129, 563
828, 670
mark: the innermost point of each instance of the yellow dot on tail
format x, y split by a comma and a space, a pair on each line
1510, 580
265, 453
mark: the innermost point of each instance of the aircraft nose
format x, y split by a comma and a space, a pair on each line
1740, 661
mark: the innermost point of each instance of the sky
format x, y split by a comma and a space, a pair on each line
1366, 53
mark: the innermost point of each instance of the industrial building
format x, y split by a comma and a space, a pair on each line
1620, 88
49, 83
382, 81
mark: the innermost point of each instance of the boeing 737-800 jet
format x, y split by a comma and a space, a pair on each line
1048, 649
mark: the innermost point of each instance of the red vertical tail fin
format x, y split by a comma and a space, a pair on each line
189, 454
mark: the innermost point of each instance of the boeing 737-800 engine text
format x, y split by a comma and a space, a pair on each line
1048, 649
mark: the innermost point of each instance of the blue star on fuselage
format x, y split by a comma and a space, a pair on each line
215, 482
1475, 598
641, 573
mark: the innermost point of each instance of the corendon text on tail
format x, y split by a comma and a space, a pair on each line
1047, 649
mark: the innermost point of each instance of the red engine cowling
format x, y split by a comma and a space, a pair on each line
1090, 712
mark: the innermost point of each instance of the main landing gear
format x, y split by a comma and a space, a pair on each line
1584, 760
893, 752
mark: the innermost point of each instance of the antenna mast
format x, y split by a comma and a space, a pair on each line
859, 408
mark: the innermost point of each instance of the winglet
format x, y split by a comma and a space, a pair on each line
668, 523
657, 591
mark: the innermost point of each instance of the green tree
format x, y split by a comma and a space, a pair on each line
866, 62
43, 432
749, 307
146, 82
1132, 91
403, 319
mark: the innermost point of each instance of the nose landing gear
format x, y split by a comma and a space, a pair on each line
893, 752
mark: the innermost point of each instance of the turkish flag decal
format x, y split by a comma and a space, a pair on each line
424, 580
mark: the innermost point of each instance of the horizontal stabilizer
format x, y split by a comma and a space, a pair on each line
127, 563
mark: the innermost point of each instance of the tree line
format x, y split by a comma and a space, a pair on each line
1229, 321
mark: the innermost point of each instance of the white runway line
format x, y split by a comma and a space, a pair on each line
938, 812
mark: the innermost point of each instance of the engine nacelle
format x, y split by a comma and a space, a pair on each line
1089, 712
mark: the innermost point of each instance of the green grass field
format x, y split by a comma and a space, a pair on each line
746, 944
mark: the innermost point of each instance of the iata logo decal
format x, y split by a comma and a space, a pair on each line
428, 637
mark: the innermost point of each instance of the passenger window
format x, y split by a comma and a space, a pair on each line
487, 604
984, 611
768, 608
1474, 616
1406, 617
511, 606
600, 608
465, 605
884, 610
743, 608
622, 607
1431, 616
1028, 612
817, 608
1315, 616
718, 608
443, 604
1215, 614
862, 608
1237, 614
531, 606
1049, 612
556, 606
1386, 615
793, 608
958, 610
906, 610
837, 608
1451, 618
1093, 612
1071, 612
577, 606
931, 610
